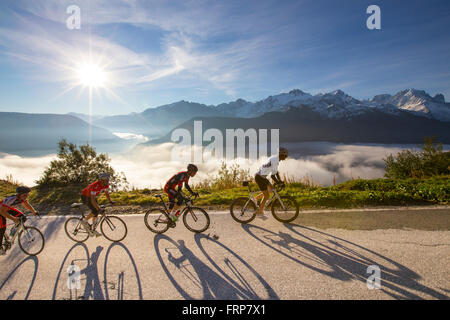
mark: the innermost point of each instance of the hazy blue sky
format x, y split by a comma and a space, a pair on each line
158, 52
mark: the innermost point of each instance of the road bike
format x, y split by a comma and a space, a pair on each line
284, 208
30, 239
112, 227
195, 219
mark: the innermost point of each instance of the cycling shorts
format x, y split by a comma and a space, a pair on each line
262, 182
87, 201
173, 195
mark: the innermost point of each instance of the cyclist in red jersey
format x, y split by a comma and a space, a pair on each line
7, 210
177, 181
89, 198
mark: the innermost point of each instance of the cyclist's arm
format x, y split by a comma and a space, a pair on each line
188, 188
27, 205
4, 213
276, 177
107, 195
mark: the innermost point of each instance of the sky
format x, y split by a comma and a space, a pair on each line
151, 53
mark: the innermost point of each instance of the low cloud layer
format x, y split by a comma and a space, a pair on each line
151, 167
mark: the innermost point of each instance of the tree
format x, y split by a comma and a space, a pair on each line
79, 166
428, 162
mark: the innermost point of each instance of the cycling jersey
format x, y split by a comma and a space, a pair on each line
270, 167
94, 189
177, 180
11, 201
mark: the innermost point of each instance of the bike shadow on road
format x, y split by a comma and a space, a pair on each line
341, 259
119, 287
194, 279
10, 294
90, 284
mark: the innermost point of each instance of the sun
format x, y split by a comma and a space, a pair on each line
91, 75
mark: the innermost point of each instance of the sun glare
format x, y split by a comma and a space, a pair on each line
91, 75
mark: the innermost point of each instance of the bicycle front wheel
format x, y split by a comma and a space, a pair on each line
196, 219
156, 220
75, 230
243, 210
113, 228
285, 211
31, 241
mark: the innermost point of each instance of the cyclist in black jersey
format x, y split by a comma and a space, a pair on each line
176, 181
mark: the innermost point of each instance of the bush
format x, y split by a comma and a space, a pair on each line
430, 161
79, 166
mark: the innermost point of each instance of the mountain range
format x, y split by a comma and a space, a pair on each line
405, 117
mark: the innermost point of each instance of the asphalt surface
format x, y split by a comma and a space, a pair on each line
262, 260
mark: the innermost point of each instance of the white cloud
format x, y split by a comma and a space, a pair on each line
150, 166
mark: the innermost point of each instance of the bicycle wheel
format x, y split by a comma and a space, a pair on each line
113, 228
31, 241
196, 219
75, 230
286, 211
156, 220
243, 210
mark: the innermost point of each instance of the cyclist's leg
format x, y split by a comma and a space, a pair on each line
2, 230
172, 194
264, 186
94, 212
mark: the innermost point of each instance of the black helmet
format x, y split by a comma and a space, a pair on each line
22, 190
283, 151
192, 168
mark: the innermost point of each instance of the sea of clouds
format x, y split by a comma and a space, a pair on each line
152, 166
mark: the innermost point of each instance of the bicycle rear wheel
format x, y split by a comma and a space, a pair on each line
113, 228
75, 230
243, 210
196, 219
285, 211
31, 241
156, 220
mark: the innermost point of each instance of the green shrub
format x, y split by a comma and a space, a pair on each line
79, 166
430, 161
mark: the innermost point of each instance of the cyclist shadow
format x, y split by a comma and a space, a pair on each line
8, 293
92, 287
87, 273
200, 280
341, 259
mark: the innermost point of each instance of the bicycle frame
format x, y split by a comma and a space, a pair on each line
16, 233
275, 195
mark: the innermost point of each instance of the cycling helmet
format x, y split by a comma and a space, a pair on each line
104, 175
192, 167
283, 152
22, 190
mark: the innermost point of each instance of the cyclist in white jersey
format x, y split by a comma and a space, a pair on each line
270, 167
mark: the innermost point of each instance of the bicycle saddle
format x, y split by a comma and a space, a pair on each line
158, 196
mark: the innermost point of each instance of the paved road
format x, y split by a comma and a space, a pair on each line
262, 260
